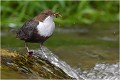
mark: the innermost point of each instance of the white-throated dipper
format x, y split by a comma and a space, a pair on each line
38, 29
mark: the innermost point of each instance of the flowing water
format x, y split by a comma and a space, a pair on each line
100, 70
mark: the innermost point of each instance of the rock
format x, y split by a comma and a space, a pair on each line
35, 67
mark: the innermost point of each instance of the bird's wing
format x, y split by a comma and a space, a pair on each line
25, 32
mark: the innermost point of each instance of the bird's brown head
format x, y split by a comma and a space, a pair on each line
51, 13
45, 14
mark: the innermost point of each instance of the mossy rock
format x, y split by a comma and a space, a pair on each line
28, 67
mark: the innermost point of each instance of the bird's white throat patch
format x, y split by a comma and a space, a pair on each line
46, 28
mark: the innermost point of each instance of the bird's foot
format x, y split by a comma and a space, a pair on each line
30, 53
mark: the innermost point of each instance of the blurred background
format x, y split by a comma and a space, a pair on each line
87, 33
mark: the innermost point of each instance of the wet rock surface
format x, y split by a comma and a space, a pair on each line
34, 68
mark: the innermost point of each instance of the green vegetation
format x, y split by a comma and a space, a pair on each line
73, 12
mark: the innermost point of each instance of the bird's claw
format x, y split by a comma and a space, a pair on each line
30, 53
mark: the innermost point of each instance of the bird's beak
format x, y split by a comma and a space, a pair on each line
56, 15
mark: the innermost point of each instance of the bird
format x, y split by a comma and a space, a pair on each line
37, 29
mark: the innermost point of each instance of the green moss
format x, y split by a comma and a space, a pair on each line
28, 67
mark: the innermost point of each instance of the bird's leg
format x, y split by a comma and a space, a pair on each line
41, 47
26, 47
28, 51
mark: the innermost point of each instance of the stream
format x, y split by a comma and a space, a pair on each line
85, 53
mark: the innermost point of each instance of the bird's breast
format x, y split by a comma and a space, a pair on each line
46, 28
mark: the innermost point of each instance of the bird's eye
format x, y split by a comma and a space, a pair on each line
46, 14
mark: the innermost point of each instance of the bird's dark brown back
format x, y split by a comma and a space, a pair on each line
26, 31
